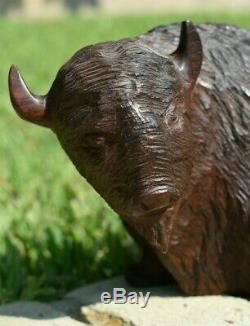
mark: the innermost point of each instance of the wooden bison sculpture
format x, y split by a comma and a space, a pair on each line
159, 125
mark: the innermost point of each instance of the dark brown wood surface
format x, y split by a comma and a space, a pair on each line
160, 126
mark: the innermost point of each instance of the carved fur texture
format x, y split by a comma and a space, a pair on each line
166, 143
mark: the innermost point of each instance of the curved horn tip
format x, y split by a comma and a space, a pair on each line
13, 71
187, 23
14, 74
28, 106
188, 55
187, 27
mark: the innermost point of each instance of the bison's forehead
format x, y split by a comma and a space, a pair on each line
103, 79
127, 66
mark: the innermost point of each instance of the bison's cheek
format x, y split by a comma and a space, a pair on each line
109, 184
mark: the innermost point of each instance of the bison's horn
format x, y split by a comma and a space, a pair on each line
188, 54
27, 105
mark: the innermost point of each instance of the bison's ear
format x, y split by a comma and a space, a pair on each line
188, 55
27, 105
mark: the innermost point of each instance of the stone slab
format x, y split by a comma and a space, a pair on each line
34, 314
167, 306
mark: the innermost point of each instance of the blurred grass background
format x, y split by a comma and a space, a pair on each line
56, 233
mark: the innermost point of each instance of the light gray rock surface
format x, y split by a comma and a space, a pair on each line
166, 307
196, 311
27, 313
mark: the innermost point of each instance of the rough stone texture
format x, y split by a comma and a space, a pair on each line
34, 314
169, 311
167, 306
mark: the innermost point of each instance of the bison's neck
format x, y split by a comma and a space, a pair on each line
206, 254
220, 122
215, 213
220, 112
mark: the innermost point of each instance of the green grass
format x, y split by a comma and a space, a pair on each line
56, 233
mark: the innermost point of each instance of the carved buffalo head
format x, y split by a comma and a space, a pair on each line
119, 110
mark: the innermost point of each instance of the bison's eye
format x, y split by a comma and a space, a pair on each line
94, 140
95, 145
173, 118
98, 139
